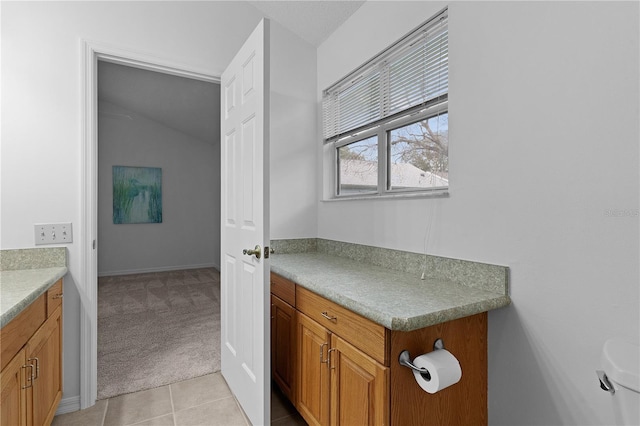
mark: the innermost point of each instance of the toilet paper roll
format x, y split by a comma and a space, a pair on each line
444, 370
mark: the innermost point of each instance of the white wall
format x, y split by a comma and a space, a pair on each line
189, 235
41, 111
293, 197
544, 138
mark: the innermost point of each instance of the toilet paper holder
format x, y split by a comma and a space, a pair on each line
405, 360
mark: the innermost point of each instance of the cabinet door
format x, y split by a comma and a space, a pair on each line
13, 397
359, 387
283, 330
44, 352
312, 380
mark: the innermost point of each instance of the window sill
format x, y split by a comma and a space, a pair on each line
431, 194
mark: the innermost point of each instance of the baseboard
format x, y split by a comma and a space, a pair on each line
68, 405
157, 269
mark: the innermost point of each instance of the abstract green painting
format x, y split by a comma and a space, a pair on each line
137, 195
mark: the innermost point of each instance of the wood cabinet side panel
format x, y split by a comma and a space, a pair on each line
464, 403
54, 297
283, 288
15, 335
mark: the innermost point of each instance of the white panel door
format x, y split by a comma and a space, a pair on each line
245, 225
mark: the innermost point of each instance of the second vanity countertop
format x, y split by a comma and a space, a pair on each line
26, 274
393, 299
21, 287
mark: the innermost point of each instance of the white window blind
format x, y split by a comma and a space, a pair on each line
410, 74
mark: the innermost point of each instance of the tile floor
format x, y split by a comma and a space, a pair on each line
203, 401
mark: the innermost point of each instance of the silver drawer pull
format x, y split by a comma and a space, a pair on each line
323, 361
29, 378
329, 317
329, 364
37, 368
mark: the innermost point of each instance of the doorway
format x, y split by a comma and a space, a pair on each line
158, 229
153, 125
93, 53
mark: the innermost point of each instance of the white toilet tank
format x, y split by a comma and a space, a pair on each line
621, 367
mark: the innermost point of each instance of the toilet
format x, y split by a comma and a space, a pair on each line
620, 375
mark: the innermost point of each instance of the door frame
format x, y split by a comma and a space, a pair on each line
88, 283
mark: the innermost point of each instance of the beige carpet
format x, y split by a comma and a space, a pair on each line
157, 328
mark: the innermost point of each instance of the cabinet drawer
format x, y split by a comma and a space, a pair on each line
361, 332
54, 297
283, 288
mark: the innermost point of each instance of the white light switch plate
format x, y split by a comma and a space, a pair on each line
53, 233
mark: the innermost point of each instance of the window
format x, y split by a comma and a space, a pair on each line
358, 167
387, 121
419, 154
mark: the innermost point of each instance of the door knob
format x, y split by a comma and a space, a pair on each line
257, 252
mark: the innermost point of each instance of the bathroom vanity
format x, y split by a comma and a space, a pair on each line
339, 324
31, 336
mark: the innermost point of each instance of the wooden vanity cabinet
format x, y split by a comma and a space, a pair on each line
283, 335
347, 372
31, 376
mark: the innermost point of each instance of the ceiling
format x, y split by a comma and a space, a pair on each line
313, 21
192, 106
186, 105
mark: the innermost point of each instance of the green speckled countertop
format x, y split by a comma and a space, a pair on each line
25, 275
397, 300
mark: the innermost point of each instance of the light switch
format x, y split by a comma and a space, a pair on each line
53, 233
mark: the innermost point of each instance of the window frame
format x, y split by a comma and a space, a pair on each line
382, 130
398, 73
